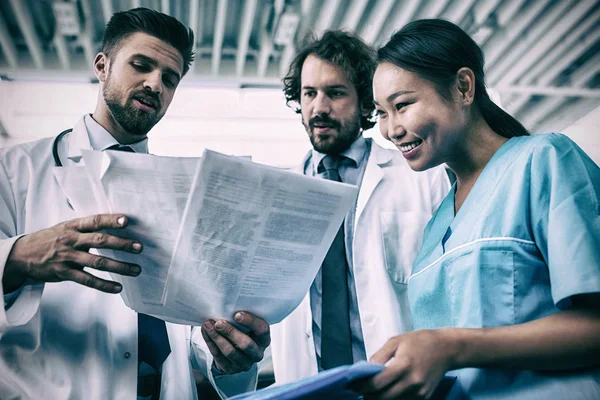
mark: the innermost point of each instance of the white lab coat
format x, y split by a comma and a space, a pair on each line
394, 205
64, 340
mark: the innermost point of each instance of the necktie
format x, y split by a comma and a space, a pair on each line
336, 341
153, 341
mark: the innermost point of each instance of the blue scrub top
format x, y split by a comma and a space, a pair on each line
526, 239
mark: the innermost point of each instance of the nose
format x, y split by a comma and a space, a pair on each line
321, 104
395, 130
153, 82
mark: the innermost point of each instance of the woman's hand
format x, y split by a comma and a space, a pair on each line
415, 364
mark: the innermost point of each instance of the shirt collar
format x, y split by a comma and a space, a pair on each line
355, 152
101, 140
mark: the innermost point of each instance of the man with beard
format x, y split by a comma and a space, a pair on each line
63, 331
358, 299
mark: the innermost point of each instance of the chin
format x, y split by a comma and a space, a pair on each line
419, 165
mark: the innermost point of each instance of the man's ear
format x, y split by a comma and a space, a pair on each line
364, 112
101, 63
465, 85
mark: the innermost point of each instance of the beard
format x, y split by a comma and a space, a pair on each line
129, 117
343, 135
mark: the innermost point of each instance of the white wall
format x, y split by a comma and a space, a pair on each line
586, 133
253, 122
232, 121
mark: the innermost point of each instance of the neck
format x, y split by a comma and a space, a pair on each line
475, 151
105, 119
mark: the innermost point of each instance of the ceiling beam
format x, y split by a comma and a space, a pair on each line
62, 50
266, 45
433, 9
376, 20
456, 10
501, 42
326, 15
86, 36
544, 108
218, 36
400, 15
572, 91
248, 15
353, 15
26, 26
561, 57
482, 11
521, 50
566, 115
107, 10
8, 47
541, 47
193, 25
507, 10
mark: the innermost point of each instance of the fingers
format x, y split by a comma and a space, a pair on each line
222, 362
384, 354
87, 279
239, 340
259, 327
106, 264
97, 222
99, 240
239, 359
395, 371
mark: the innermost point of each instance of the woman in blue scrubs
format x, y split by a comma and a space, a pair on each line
505, 290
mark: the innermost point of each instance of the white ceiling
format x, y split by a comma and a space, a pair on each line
542, 55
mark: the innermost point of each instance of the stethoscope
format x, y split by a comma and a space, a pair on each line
55, 147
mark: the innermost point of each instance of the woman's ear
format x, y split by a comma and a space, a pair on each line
465, 85
101, 66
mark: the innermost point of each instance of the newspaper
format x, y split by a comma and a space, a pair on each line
220, 233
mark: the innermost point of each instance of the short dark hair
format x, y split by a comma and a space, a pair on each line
162, 26
346, 51
435, 50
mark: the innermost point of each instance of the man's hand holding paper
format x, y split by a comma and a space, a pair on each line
233, 350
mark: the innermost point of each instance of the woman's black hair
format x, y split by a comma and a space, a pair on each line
435, 50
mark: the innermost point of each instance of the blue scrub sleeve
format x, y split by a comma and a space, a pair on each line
565, 211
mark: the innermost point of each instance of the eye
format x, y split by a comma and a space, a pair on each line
400, 106
337, 93
170, 80
140, 66
310, 93
380, 114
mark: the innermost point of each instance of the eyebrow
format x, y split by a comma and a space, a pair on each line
328, 87
392, 96
152, 61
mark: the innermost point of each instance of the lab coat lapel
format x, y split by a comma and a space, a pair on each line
75, 141
373, 176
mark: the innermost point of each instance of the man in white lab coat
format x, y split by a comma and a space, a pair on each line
330, 83
64, 333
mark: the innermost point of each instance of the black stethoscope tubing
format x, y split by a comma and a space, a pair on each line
55, 147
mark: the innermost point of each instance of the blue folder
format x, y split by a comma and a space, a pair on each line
330, 385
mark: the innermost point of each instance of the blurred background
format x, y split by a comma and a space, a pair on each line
542, 56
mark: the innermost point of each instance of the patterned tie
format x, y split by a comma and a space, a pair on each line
153, 341
336, 341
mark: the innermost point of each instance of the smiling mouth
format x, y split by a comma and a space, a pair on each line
406, 147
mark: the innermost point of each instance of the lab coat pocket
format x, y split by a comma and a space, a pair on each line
402, 235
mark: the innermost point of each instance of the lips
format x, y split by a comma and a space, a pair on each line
146, 101
408, 146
